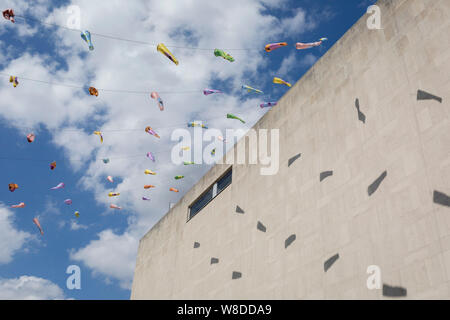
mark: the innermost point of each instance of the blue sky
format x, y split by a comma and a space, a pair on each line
103, 241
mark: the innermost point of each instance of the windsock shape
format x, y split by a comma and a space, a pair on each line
151, 156
98, 133
110, 179
162, 48
281, 81
232, 116
113, 194
149, 130
30, 137
93, 91
268, 104
113, 206
250, 89
179, 177
77, 214
193, 124
13, 186
14, 80
148, 186
8, 14
53, 165
186, 163
207, 92
145, 199
106, 160
68, 202
59, 186
147, 171
20, 205
272, 46
36, 222
223, 54
155, 95
86, 36
173, 189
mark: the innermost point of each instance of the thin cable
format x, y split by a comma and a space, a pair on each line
129, 40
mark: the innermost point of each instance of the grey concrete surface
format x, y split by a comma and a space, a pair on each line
399, 228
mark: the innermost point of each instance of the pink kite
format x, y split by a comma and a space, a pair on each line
151, 156
301, 46
210, 91
156, 96
30, 137
149, 130
36, 222
68, 201
113, 206
20, 205
272, 46
59, 186
110, 179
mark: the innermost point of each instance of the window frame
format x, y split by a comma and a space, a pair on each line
214, 191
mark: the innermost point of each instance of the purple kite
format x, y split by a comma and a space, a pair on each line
210, 91
268, 104
59, 186
151, 156
145, 199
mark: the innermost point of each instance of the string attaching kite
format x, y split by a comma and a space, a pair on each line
93, 91
232, 116
59, 186
30, 137
8, 14
272, 46
98, 133
223, 54
250, 89
207, 92
281, 81
14, 80
163, 49
53, 165
156, 96
268, 104
86, 36
147, 171
36, 222
20, 205
302, 46
149, 130
13, 186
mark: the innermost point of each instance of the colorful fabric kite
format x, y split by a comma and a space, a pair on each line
179, 177
272, 46
53, 165
162, 48
145, 199
113, 194
186, 163
147, 171
86, 36
281, 81
30, 137
8, 14
20, 205
173, 190
207, 92
193, 124
93, 91
98, 133
268, 104
151, 156
68, 202
77, 214
223, 54
59, 186
13, 186
14, 80
222, 139
213, 152
106, 160
156, 96
302, 46
185, 148
149, 130
232, 116
113, 206
250, 89
148, 186
110, 179
36, 222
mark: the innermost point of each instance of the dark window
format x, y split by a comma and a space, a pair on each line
210, 193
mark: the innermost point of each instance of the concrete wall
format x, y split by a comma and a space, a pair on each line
398, 228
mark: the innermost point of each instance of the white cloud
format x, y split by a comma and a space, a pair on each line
72, 115
12, 239
29, 288
77, 226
